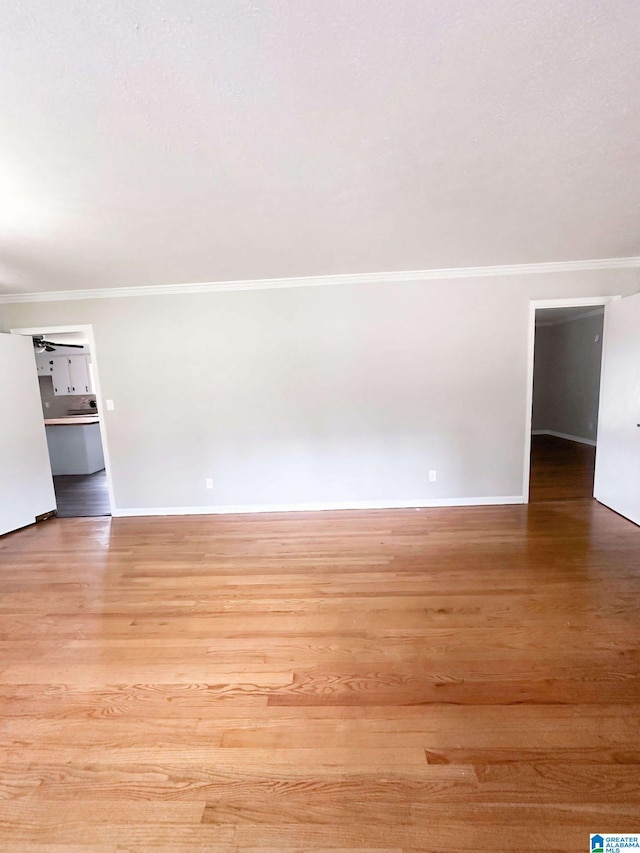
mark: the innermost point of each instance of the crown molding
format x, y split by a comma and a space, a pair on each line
324, 280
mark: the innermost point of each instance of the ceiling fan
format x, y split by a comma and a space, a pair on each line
49, 346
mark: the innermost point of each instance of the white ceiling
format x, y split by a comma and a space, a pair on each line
158, 142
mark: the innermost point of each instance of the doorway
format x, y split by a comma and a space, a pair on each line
67, 377
567, 364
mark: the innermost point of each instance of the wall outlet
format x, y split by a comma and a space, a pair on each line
209, 483
597, 338
46, 405
432, 476
109, 405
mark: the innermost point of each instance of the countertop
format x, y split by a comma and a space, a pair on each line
72, 420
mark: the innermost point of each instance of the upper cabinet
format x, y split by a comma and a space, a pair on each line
70, 373
79, 374
60, 375
44, 363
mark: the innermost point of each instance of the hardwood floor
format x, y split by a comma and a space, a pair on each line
79, 495
415, 681
560, 469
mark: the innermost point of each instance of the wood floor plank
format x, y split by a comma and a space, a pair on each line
29, 812
34, 847
328, 761
130, 836
480, 727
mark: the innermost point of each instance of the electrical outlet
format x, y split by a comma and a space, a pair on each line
46, 405
209, 483
432, 476
109, 405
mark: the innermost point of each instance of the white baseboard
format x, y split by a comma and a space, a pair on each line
243, 509
576, 438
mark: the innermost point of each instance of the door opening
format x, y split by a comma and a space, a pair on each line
566, 391
566, 347
67, 378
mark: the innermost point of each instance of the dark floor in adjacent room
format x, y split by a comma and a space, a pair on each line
80, 495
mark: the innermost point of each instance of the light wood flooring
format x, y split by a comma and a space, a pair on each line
393, 681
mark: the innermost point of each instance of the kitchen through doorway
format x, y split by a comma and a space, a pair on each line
64, 361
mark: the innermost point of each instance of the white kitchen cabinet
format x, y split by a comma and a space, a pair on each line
79, 374
61, 376
43, 363
70, 373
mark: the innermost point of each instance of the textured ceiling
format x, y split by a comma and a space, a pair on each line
163, 142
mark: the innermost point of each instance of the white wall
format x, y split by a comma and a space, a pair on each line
542, 378
26, 487
566, 383
322, 395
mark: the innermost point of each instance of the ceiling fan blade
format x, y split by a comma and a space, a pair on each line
54, 344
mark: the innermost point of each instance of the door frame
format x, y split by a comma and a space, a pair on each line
86, 329
535, 305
